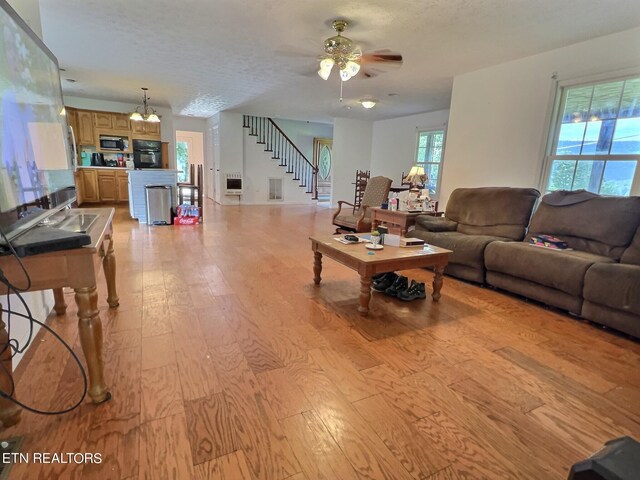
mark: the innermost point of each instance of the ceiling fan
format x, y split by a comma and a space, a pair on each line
348, 57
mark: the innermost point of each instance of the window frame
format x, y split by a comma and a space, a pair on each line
556, 124
420, 131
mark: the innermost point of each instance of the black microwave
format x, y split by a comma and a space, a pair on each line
114, 143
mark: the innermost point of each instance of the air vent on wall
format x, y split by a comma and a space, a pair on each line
275, 189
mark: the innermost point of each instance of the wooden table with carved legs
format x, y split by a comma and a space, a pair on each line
76, 268
369, 263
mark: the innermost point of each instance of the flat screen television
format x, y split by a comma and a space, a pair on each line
36, 172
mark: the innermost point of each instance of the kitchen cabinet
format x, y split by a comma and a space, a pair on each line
107, 189
95, 185
120, 122
146, 130
122, 186
103, 120
88, 185
85, 134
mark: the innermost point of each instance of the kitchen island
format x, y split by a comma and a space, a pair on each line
139, 179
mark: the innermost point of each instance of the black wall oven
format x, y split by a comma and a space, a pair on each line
147, 154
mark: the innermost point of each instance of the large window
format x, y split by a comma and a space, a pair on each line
429, 155
596, 138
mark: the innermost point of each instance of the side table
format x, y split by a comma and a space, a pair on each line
398, 221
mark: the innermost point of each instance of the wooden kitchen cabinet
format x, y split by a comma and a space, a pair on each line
122, 186
120, 122
88, 185
107, 188
101, 185
85, 135
145, 130
103, 120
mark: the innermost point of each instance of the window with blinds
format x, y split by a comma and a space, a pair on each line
596, 139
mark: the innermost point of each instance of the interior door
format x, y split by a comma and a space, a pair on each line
322, 156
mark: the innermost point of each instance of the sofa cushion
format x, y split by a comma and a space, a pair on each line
349, 220
632, 254
435, 224
614, 285
467, 249
495, 211
599, 225
560, 269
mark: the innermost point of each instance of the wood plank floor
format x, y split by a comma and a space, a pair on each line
226, 362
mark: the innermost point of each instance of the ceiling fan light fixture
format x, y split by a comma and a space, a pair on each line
368, 103
352, 67
345, 75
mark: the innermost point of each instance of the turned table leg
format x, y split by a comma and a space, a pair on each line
365, 295
109, 267
438, 276
90, 328
60, 307
317, 267
9, 411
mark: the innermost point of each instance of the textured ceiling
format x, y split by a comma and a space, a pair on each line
202, 56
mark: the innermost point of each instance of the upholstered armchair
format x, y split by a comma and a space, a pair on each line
359, 219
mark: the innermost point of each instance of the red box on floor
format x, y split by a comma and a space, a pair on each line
186, 221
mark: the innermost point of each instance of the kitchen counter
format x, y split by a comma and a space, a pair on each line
104, 168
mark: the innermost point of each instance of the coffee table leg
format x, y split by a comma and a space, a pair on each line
317, 267
437, 282
365, 295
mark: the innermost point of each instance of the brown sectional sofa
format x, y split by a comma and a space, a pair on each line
474, 218
598, 278
612, 291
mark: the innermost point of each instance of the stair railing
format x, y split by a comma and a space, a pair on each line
283, 149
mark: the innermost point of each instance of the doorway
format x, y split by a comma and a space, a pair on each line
189, 151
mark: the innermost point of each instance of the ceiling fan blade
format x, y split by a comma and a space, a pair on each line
382, 56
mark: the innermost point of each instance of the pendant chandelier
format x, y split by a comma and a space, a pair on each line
148, 114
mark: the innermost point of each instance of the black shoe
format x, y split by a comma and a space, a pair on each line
400, 284
384, 282
416, 290
377, 277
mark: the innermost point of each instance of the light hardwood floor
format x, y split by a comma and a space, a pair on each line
225, 361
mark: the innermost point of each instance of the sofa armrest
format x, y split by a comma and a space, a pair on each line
435, 224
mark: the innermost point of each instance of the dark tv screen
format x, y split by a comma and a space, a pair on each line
36, 175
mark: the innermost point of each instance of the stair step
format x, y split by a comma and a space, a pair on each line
267, 150
260, 143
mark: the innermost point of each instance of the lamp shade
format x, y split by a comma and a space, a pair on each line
416, 175
136, 117
153, 118
368, 103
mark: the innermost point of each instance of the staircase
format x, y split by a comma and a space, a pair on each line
284, 150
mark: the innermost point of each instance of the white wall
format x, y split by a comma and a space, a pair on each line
167, 128
499, 118
351, 152
393, 149
230, 153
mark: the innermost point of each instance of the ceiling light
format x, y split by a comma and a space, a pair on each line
368, 103
148, 114
340, 51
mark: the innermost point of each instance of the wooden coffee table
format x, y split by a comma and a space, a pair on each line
389, 259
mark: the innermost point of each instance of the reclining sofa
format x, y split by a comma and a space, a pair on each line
597, 277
